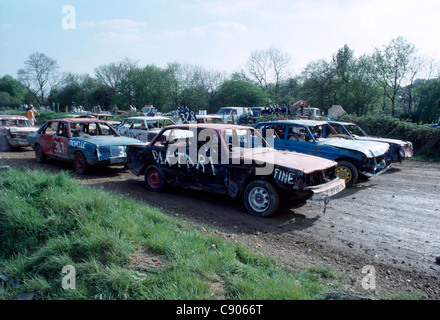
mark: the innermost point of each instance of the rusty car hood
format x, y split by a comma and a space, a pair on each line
288, 159
369, 148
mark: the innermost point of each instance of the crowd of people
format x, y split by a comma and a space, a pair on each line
276, 110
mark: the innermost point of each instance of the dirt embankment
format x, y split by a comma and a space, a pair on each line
387, 227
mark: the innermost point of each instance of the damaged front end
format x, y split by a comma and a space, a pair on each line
318, 185
375, 165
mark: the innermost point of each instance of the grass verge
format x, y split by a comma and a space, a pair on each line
122, 249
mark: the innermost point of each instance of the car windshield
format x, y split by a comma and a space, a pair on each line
241, 140
225, 112
15, 123
355, 130
78, 129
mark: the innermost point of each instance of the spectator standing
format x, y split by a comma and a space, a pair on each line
30, 114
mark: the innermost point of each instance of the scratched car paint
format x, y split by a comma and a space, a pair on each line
85, 142
235, 161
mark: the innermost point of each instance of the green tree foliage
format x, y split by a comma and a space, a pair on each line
392, 64
393, 81
240, 93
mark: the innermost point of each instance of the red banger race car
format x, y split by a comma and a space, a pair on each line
232, 160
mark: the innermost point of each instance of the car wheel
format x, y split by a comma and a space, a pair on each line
40, 157
4, 144
154, 179
261, 198
80, 163
347, 171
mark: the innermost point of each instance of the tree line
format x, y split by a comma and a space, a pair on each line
394, 80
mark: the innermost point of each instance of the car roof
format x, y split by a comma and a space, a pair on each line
148, 118
215, 126
299, 122
78, 120
339, 122
201, 116
12, 116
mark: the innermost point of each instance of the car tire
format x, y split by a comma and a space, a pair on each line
261, 199
347, 171
80, 163
40, 157
4, 144
154, 179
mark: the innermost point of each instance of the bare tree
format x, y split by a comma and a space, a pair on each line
113, 73
268, 66
38, 75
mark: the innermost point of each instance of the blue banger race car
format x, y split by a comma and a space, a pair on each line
86, 142
399, 149
318, 138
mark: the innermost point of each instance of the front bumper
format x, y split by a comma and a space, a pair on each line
111, 155
323, 191
18, 142
376, 169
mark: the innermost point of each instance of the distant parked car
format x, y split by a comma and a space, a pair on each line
107, 117
143, 128
311, 137
14, 131
399, 149
231, 114
209, 118
235, 161
86, 142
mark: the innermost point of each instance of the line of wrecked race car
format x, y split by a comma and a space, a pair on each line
256, 164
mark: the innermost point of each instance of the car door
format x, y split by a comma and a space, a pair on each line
207, 171
138, 130
124, 127
46, 137
170, 152
298, 139
60, 141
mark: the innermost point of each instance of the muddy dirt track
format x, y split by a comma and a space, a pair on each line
389, 224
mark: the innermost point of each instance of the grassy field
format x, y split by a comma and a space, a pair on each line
123, 249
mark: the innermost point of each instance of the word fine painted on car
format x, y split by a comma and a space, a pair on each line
318, 138
232, 160
14, 131
85, 142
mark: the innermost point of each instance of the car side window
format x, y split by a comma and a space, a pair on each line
175, 137
127, 124
299, 133
138, 125
51, 128
62, 130
277, 129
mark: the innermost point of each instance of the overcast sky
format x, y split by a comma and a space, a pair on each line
216, 34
